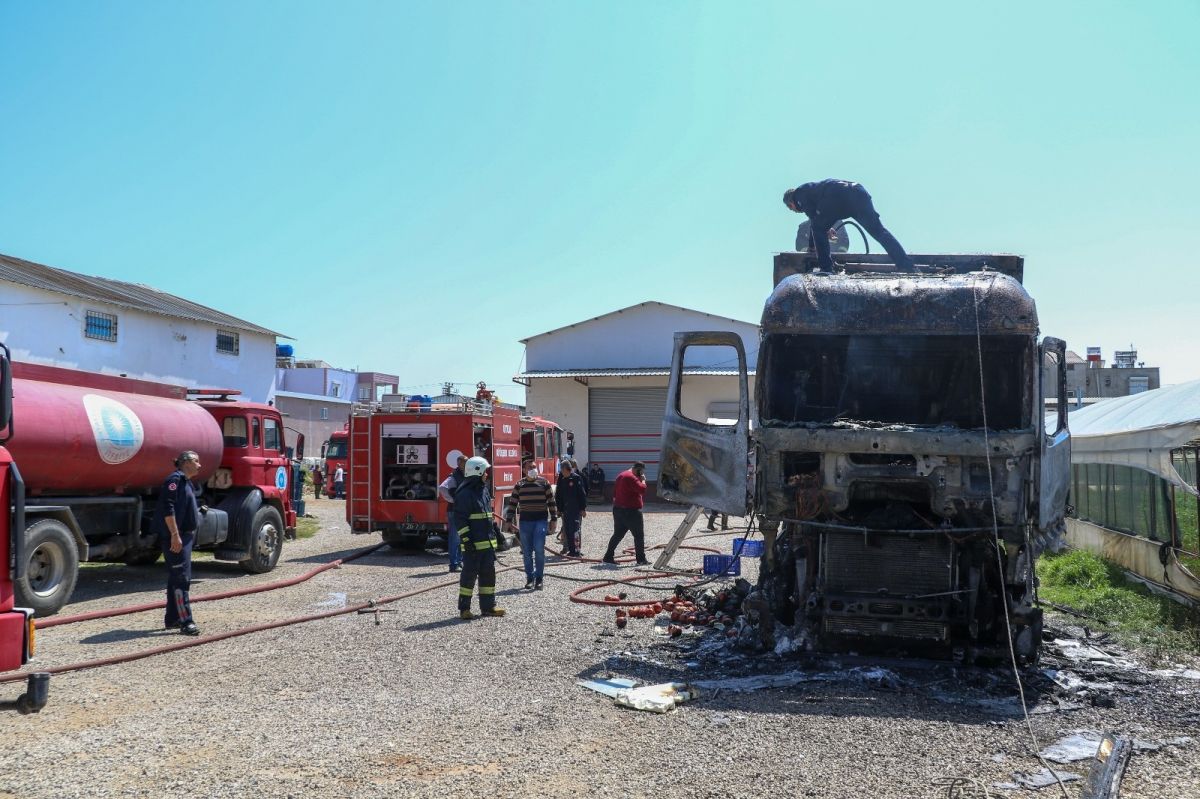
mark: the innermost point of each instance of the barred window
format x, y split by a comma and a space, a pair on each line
324, 413
227, 342
102, 326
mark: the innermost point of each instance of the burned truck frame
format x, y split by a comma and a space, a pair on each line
905, 475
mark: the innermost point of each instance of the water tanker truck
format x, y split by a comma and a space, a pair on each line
904, 471
93, 450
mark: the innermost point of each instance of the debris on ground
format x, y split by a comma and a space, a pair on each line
660, 698
1036, 780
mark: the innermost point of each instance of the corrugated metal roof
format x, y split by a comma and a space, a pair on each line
651, 371
315, 397
136, 296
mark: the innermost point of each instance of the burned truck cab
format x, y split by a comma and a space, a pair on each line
905, 479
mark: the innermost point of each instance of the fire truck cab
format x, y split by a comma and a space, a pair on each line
400, 452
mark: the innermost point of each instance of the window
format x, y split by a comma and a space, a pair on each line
234, 430
101, 326
539, 445
335, 389
324, 413
271, 434
254, 427
227, 342
364, 393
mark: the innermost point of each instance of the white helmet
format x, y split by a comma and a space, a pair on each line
476, 467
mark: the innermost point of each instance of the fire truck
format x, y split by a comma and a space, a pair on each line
400, 452
93, 450
335, 456
16, 624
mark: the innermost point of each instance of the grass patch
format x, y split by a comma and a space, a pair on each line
306, 527
1094, 586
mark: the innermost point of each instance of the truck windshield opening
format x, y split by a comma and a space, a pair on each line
916, 380
336, 448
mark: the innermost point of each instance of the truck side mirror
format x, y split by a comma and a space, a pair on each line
300, 446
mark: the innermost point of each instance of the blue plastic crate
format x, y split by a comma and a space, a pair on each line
722, 564
748, 549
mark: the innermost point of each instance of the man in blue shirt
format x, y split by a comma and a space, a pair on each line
176, 517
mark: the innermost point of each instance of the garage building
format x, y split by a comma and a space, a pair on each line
606, 379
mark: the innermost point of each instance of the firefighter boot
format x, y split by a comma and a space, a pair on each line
494, 612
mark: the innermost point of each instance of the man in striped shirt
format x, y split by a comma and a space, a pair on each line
533, 500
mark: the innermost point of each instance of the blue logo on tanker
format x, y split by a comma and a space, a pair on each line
281, 478
117, 429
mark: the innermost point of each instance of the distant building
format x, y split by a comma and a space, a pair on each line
316, 398
95, 324
1091, 379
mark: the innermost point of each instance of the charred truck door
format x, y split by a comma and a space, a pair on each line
1055, 439
701, 463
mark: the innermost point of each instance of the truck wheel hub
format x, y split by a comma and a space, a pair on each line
46, 568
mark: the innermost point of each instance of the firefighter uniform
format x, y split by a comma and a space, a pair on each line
178, 499
473, 509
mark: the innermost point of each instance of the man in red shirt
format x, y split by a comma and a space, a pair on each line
629, 493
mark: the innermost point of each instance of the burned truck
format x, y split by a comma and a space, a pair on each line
897, 456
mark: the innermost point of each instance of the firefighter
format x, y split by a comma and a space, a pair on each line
473, 509
570, 496
176, 517
827, 202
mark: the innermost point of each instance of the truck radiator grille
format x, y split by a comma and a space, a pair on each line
873, 628
898, 565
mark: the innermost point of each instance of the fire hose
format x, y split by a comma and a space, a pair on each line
255, 589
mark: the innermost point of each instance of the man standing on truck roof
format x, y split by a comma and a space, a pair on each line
176, 517
629, 493
827, 202
453, 523
533, 499
473, 506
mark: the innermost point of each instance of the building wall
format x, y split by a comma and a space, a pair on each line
1107, 382
338, 383
643, 335
304, 415
564, 400
47, 328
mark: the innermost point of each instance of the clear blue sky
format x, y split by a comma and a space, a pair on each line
413, 187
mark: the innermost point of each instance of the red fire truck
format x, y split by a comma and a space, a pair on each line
16, 624
94, 449
399, 453
335, 456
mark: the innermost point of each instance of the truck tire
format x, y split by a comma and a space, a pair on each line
266, 541
51, 568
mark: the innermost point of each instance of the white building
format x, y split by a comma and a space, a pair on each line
606, 380
54, 317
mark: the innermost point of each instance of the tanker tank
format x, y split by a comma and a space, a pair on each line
73, 440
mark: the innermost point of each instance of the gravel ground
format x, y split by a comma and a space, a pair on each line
427, 705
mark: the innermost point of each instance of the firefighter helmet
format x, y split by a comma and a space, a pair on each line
476, 467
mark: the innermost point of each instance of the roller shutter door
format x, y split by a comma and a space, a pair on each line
625, 425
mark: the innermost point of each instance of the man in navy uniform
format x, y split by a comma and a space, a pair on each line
176, 517
827, 202
473, 509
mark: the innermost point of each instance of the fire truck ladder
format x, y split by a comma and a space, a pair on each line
360, 490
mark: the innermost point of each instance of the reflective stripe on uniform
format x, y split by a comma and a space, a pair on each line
484, 590
464, 530
484, 544
480, 516
465, 591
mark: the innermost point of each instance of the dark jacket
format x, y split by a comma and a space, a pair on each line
176, 498
570, 494
473, 509
830, 199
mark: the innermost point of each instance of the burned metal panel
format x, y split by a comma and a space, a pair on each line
950, 466
825, 304
1055, 463
796, 263
703, 464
